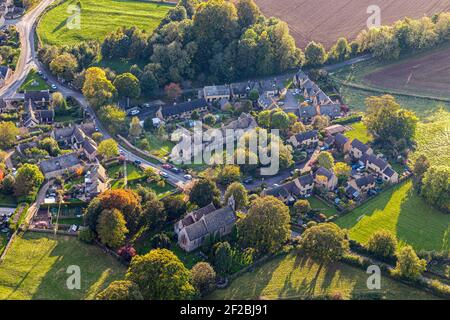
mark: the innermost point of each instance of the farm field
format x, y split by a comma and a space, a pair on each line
425, 74
433, 138
295, 277
402, 212
98, 18
35, 268
327, 20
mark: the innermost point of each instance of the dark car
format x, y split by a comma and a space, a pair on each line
138, 162
175, 170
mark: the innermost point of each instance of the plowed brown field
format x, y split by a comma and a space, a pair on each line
426, 74
327, 20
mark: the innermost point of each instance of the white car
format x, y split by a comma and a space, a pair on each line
134, 112
188, 177
163, 174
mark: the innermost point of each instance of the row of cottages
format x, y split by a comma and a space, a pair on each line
78, 137
309, 139
56, 167
307, 113
301, 187
311, 90
37, 109
361, 185
181, 111
193, 229
266, 89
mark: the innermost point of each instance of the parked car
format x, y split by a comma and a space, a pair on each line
188, 177
248, 181
167, 166
138, 162
163, 174
54, 87
174, 169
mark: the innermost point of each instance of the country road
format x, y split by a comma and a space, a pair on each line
27, 61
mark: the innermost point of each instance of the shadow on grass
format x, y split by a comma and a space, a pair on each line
97, 270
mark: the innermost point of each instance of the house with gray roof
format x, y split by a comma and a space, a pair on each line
289, 192
182, 110
363, 184
341, 143
358, 149
215, 93
308, 139
56, 167
378, 165
325, 178
196, 227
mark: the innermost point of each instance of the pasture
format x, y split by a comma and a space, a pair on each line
35, 268
98, 18
295, 277
327, 20
403, 213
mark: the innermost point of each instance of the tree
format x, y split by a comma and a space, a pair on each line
382, 243
174, 206
160, 241
296, 128
8, 134
223, 258
50, 145
113, 118
229, 174
340, 51
28, 179
302, 207
97, 137
266, 226
152, 213
315, 54
204, 192
408, 263
436, 187
342, 171
253, 95
387, 122
280, 120
248, 13
173, 91
160, 275
239, 193
127, 202
326, 160
127, 86
421, 166
111, 228
324, 242
135, 127
108, 148
64, 66
320, 122
203, 278
59, 104
97, 89
209, 119
121, 290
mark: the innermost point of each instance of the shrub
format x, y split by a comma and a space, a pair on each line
127, 252
86, 236
160, 240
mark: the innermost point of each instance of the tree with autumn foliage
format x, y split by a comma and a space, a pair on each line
173, 91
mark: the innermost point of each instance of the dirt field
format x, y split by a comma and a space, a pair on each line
426, 74
327, 20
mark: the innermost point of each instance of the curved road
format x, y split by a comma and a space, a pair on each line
28, 60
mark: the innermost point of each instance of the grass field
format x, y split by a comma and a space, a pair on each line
35, 268
433, 139
294, 277
359, 132
33, 82
402, 212
98, 18
7, 201
323, 207
159, 147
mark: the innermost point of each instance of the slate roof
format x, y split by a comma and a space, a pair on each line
198, 214
380, 163
365, 181
196, 230
340, 140
308, 111
329, 140
174, 109
330, 110
59, 163
222, 90
324, 172
359, 145
211, 223
306, 180
3, 71
37, 96
389, 172
306, 136
89, 146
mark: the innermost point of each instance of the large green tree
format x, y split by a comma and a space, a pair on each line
8, 134
160, 275
121, 290
97, 89
28, 179
315, 54
111, 228
127, 86
382, 243
409, 265
324, 242
203, 278
204, 192
239, 194
436, 187
266, 225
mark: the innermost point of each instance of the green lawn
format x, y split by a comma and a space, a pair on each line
433, 139
33, 82
98, 18
159, 147
3, 242
402, 212
35, 268
294, 277
135, 173
323, 207
359, 132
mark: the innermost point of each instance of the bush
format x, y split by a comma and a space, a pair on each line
127, 252
160, 241
86, 236
347, 120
